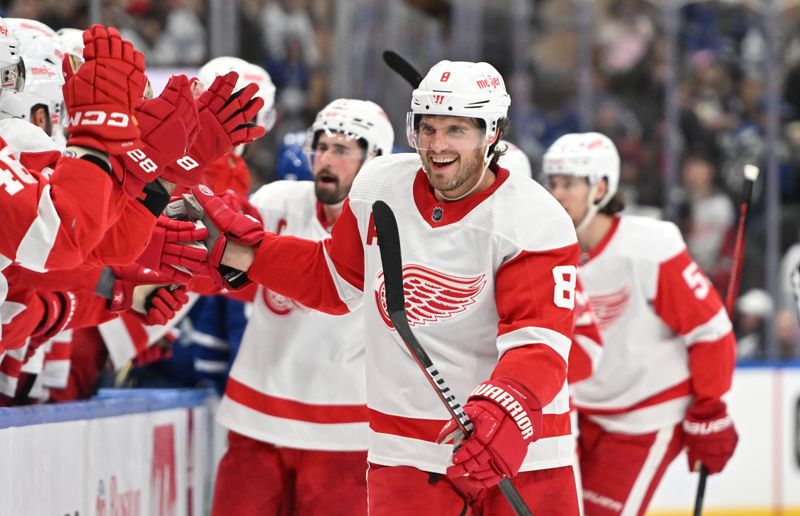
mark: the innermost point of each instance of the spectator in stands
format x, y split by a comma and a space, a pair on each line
752, 311
711, 213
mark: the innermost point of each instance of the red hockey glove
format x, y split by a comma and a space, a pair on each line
162, 304
100, 95
226, 120
118, 286
169, 125
175, 250
161, 350
240, 204
710, 436
505, 420
224, 223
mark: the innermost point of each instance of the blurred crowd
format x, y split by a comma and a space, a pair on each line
721, 70
721, 96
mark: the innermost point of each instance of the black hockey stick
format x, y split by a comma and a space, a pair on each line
392, 261
403, 68
750, 176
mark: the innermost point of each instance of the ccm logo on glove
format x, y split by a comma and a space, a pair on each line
510, 404
99, 118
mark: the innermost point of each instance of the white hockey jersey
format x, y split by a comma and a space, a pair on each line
489, 291
666, 335
298, 379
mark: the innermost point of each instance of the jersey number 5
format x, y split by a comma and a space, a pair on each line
696, 280
565, 277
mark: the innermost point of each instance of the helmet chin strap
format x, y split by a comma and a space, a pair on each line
594, 207
469, 192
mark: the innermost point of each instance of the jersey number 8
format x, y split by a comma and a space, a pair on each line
565, 277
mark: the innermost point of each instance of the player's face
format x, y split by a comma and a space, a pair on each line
572, 192
337, 160
451, 148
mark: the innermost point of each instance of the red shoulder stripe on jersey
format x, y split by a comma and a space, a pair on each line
527, 292
452, 211
685, 298
553, 425
291, 409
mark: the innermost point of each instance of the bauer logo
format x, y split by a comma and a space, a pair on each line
431, 296
163, 488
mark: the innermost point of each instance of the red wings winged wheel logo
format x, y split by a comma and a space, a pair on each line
609, 307
430, 295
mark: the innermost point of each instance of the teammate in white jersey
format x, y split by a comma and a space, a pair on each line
668, 347
296, 402
490, 270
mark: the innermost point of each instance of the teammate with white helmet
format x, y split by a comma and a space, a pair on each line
669, 349
12, 67
515, 160
71, 40
248, 72
281, 455
505, 254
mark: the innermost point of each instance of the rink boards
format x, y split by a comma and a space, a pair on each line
150, 453
763, 476
143, 454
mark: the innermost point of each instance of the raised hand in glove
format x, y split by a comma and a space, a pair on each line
710, 436
101, 94
224, 223
169, 125
175, 249
162, 304
226, 120
505, 420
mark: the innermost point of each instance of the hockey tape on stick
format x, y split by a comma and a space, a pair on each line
392, 261
402, 67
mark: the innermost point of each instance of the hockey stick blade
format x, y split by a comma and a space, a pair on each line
402, 67
392, 262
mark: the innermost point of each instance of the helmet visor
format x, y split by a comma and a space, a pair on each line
338, 145
444, 132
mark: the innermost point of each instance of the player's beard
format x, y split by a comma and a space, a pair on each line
469, 165
329, 189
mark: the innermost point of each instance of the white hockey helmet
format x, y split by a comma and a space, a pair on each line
248, 73
12, 67
42, 90
37, 40
590, 155
460, 88
514, 159
357, 119
71, 40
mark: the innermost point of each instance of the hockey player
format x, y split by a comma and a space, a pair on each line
293, 443
669, 350
506, 254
